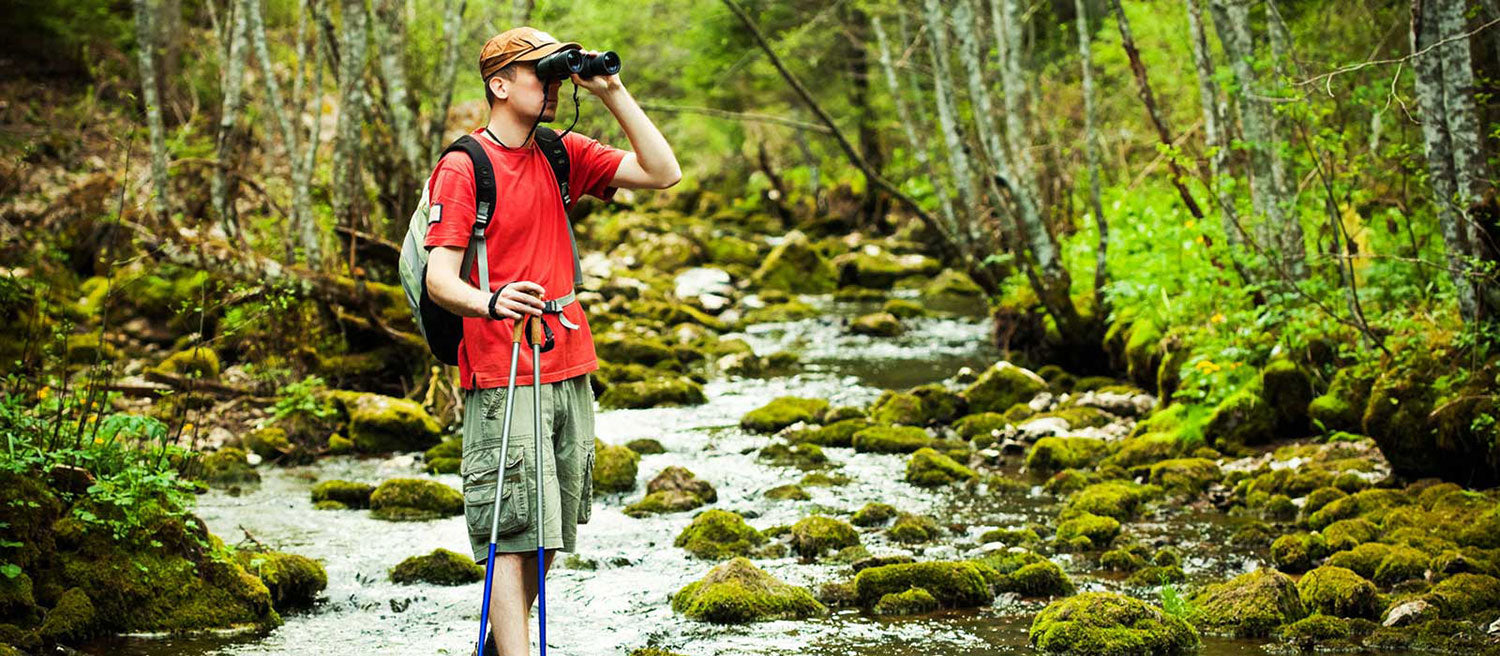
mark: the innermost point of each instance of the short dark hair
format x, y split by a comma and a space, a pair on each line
509, 73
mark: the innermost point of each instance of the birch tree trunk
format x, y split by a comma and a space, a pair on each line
1293, 252
958, 158
1091, 154
146, 44
1214, 121
391, 30
307, 97
965, 25
226, 135
348, 179
874, 206
447, 74
909, 125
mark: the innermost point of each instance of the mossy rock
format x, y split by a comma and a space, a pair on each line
782, 412
1296, 552
838, 433
1349, 533
880, 269
656, 392
441, 567
788, 492
1287, 388
1038, 579
1249, 606
1243, 419
414, 499
294, 581
615, 467
1402, 563
1362, 560
910, 528
928, 468
71, 619
1109, 624
980, 424
1053, 454
1339, 592
914, 601
873, 513
349, 493
1012, 537
903, 309
1146, 449
1371, 504
821, 479
1315, 633
780, 312
1078, 417
1463, 595
952, 584
1125, 559
802, 455
383, 424
813, 535
644, 446
227, 467
1097, 530
1002, 386
890, 439
632, 349
1118, 499
899, 408
738, 592
795, 266
951, 287
196, 362
877, 324
1342, 407
269, 443
338, 444
87, 348
1185, 475
717, 534
674, 489
1156, 575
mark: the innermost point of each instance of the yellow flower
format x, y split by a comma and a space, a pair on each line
1191, 222
187, 427
43, 393
98, 440
1217, 318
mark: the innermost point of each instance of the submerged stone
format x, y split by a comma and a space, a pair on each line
349, 493
441, 567
952, 584
414, 499
783, 411
716, 534
737, 592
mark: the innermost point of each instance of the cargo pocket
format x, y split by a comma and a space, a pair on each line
479, 495
586, 493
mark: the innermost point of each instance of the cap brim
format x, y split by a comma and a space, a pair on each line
547, 50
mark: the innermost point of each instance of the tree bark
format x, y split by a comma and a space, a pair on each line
948, 124
1294, 252
348, 178
391, 31
874, 207
147, 39
909, 125
226, 135
1091, 155
447, 73
304, 167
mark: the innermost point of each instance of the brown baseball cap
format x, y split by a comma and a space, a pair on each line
518, 44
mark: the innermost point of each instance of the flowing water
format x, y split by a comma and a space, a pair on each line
624, 602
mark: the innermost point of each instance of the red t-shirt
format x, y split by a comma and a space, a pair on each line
527, 239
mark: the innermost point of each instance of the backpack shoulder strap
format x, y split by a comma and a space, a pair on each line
484, 204
552, 146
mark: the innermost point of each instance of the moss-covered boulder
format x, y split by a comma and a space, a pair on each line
913, 601
348, 493
294, 581
228, 467
737, 592
877, 324
1054, 454
873, 514
615, 467
1287, 388
624, 349
903, 309
1041, 578
445, 458
1243, 419
788, 492
873, 268
1248, 606
674, 489
1118, 499
813, 535
1339, 592
717, 534
441, 567
952, 584
952, 289
910, 528
1316, 633
72, 618
382, 424
1085, 531
1342, 407
793, 310
1185, 475
801, 455
195, 362
414, 499
781, 412
652, 393
1349, 533
795, 266
900, 408
1362, 560
1401, 563
890, 439
1109, 624
1295, 553
1147, 448
928, 468
1002, 386
645, 446
838, 433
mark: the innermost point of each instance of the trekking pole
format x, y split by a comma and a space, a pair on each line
489, 566
535, 327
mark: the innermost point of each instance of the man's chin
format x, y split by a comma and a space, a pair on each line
549, 115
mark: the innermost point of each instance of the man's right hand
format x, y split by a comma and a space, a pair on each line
517, 298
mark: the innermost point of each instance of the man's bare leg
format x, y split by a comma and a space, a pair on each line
531, 587
512, 594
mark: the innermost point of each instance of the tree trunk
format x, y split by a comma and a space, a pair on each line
147, 40
1293, 250
227, 134
304, 168
521, 12
1091, 155
909, 125
874, 206
348, 179
958, 157
391, 33
447, 73
965, 25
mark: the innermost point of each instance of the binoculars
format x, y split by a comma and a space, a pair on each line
559, 65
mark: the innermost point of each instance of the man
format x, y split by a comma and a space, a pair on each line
530, 256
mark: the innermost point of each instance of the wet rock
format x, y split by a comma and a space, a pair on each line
674, 489
903, 309
658, 392
1012, 537
951, 288
779, 312
717, 534
1052, 454
294, 581
788, 492
795, 266
645, 446
928, 468
899, 408
873, 514
414, 499
445, 458
1118, 499
615, 467
227, 467
348, 493
911, 528
71, 619
1295, 553
913, 601
873, 268
1185, 475
802, 455
1127, 402
890, 439
1343, 406
1287, 389
383, 424
1244, 419
952, 584
820, 479
877, 324
196, 362
1250, 605
737, 592
1086, 531
1002, 386
1316, 632
1402, 563
1464, 595
1109, 623
838, 433
630, 349
1349, 533
1339, 592
980, 424
1363, 559
1407, 613
1155, 575
782, 412
813, 535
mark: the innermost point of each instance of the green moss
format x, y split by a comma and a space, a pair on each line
1109, 624
196, 362
802, 455
656, 392
441, 567
1098, 530
839, 433
1319, 498
877, 324
778, 312
381, 424
903, 309
338, 444
1038, 579
674, 489
1312, 631
615, 467
1146, 449
622, 349
1185, 475
951, 286
294, 581
911, 528
414, 499
913, 601
1363, 559
71, 619
1243, 419
1349, 533
1155, 575
268, 443
1248, 606
788, 492
1143, 352
1296, 552
1343, 406
1339, 592
1371, 504
928, 468
873, 514
1051, 454
228, 466
1122, 560
890, 439
1078, 417
899, 408
1002, 386
881, 269
1287, 389
1401, 564
1012, 537
645, 446
821, 479
1463, 595
795, 266
952, 584
717, 534
737, 592
811, 536
782, 412
982, 423
1068, 481
1118, 499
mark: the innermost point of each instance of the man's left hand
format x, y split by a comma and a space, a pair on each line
599, 84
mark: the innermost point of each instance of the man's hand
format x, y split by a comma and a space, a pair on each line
517, 298
451, 291
599, 84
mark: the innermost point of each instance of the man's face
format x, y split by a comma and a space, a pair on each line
528, 95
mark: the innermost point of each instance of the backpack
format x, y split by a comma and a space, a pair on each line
442, 329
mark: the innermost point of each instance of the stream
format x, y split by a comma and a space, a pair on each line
625, 602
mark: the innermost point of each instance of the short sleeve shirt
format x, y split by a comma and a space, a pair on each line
527, 239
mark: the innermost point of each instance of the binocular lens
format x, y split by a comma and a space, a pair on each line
605, 63
559, 65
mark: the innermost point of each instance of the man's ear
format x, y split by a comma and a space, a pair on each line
498, 87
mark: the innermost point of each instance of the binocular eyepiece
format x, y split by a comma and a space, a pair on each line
559, 65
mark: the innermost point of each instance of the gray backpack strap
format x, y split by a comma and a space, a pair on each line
484, 207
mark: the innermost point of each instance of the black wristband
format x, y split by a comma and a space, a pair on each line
494, 297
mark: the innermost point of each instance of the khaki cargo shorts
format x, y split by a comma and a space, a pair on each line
567, 462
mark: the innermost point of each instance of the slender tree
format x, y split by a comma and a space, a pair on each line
147, 39
348, 179
958, 157
447, 72
226, 135
1091, 153
909, 126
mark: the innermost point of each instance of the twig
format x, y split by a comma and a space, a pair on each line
1328, 77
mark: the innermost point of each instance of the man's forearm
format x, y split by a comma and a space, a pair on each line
651, 148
